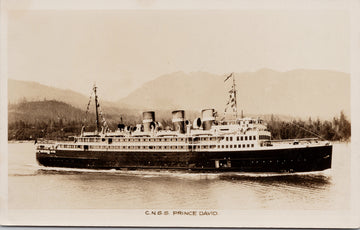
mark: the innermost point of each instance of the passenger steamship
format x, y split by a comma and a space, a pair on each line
207, 144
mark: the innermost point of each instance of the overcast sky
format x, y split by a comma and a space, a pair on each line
122, 49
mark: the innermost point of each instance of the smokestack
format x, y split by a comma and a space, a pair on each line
148, 117
178, 120
207, 118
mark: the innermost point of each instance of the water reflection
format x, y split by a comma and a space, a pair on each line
315, 181
312, 180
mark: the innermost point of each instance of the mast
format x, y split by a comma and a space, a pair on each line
96, 110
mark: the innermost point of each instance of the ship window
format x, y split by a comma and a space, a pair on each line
254, 137
181, 139
237, 138
205, 146
227, 138
242, 138
103, 139
245, 138
239, 146
248, 145
243, 145
227, 146
151, 147
165, 139
231, 138
252, 145
212, 146
222, 146
250, 138
230, 146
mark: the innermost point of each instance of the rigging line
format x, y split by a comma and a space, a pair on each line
87, 108
309, 131
102, 117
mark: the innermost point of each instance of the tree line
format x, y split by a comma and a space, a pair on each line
337, 129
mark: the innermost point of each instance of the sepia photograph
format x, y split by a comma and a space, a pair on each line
154, 113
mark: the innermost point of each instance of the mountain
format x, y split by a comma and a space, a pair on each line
297, 93
19, 91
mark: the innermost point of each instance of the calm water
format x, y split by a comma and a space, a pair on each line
35, 187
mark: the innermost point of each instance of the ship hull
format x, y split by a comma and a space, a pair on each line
302, 159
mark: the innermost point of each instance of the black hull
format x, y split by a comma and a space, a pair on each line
271, 160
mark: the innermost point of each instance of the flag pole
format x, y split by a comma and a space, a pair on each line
234, 88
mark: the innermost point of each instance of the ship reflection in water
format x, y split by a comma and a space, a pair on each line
34, 187
306, 181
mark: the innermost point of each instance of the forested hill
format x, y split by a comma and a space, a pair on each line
44, 111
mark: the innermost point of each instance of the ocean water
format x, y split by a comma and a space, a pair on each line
31, 186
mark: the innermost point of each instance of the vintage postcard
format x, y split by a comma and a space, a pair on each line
180, 113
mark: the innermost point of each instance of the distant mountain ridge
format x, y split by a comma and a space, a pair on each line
297, 93
19, 91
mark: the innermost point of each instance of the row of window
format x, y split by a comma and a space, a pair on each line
228, 138
237, 146
136, 147
264, 137
132, 139
241, 138
159, 147
71, 146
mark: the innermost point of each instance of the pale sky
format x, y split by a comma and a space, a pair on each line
122, 49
